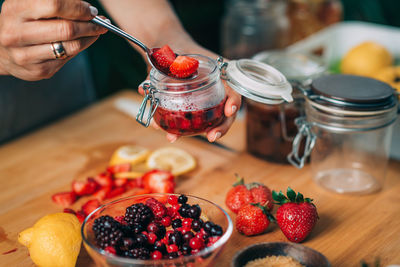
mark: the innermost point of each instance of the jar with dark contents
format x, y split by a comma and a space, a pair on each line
270, 129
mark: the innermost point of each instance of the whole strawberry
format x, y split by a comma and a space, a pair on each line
296, 216
253, 219
242, 194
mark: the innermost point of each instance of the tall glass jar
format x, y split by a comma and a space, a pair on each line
251, 26
347, 128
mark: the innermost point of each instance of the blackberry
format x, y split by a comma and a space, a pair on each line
138, 214
182, 199
107, 231
140, 253
136, 228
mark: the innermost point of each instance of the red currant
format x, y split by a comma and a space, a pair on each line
151, 238
196, 243
166, 221
187, 222
172, 200
172, 248
156, 255
110, 250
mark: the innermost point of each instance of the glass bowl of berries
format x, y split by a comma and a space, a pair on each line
156, 230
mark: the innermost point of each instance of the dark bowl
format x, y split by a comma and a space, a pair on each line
303, 254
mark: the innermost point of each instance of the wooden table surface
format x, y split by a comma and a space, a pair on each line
350, 228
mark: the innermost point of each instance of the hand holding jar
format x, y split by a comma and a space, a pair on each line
184, 107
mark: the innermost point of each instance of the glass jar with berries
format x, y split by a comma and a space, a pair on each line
192, 102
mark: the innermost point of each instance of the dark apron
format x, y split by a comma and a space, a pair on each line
24, 105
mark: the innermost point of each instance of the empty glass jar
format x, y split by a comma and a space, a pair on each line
347, 128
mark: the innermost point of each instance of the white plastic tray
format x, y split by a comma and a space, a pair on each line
336, 40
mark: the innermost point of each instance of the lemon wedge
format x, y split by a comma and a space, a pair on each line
172, 159
129, 154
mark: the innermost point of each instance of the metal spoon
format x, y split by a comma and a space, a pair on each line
125, 35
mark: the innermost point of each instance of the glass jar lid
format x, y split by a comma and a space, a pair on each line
351, 93
258, 81
297, 67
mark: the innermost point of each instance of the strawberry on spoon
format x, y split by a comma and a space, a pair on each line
153, 55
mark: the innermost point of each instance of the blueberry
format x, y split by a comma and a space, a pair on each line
197, 224
183, 210
216, 230
182, 199
176, 238
176, 223
207, 226
188, 115
194, 211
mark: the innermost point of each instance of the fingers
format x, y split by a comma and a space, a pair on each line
39, 53
232, 103
67, 9
48, 31
219, 131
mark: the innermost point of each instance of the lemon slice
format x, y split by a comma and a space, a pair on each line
129, 154
172, 159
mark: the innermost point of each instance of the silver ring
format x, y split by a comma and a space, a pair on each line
58, 50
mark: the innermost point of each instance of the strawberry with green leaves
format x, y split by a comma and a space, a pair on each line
253, 219
296, 216
242, 194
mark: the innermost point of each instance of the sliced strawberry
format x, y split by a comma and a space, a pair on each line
132, 183
116, 192
125, 167
121, 182
184, 66
164, 56
81, 216
84, 188
104, 180
90, 206
159, 181
64, 199
102, 193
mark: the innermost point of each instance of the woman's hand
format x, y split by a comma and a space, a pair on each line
29, 27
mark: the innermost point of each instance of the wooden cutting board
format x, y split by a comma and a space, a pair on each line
34, 167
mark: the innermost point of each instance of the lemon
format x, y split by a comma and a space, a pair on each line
54, 240
366, 59
129, 154
390, 75
172, 159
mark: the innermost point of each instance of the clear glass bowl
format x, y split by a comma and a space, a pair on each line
204, 258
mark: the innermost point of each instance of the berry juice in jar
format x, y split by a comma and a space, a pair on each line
187, 107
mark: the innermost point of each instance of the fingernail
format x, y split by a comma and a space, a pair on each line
109, 21
217, 135
173, 139
93, 11
234, 108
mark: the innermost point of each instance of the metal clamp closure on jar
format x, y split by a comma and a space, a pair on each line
149, 92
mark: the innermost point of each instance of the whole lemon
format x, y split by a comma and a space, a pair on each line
54, 240
366, 59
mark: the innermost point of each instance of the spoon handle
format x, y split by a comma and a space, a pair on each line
120, 32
